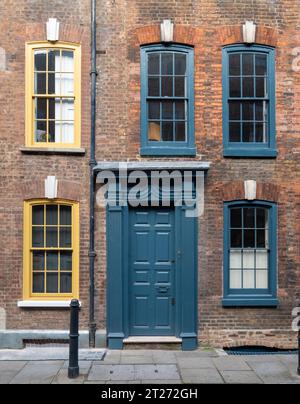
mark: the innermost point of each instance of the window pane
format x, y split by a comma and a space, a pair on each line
41, 108
180, 110
40, 83
52, 261
236, 218
67, 62
234, 111
54, 62
167, 86
51, 215
248, 111
249, 239
235, 87
154, 131
180, 64
54, 83
67, 83
261, 133
38, 215
262, 259
66, 261
262, 218
236, 239
262, 241
235, 260
51, 237
180, 131
55, 108
248, 279
248, 87
67, 132
41, 131
52, 283
153, 87
167, 131
38, 237
55, 132
65, 237
167, 110
262, 279
249, 259
235, 279
260, 110
40, 60
66, 283
154, 110
67, 110
180, 87
153, 63
234, 132
167, 63
248, 132
234, 65
38, 261
248, 64
261, 87
65, 215
261, 65
38, 283
249, 218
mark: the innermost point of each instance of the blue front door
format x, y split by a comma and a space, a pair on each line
152, 272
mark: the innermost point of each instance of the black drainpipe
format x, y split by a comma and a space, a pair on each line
93, 163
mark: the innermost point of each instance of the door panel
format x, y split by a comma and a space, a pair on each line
152, 272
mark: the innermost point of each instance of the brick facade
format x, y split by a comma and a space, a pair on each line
22, 175
122, 26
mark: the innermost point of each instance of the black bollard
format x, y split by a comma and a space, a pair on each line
73, 371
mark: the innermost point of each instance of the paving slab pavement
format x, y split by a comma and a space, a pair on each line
201, 376
240, 377
9, 370
38, 373
152, 367
230, 363
273, 372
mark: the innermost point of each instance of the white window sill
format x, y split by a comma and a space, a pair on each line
40, 304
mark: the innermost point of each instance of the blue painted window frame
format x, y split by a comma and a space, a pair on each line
174, 148
249, 150
251, 297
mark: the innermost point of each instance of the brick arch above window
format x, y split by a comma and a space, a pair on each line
150, 34
67, 190
191, 35
233, 34
67, 32
235, 191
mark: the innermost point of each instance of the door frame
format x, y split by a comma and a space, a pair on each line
186, 311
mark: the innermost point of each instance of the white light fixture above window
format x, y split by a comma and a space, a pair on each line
167, 31
250, 190
249, 32
52, 30
51, 185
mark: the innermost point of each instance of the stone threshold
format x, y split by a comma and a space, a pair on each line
152, 340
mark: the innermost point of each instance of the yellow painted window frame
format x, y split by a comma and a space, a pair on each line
27, 264
31, 47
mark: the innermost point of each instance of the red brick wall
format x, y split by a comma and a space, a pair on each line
209, 25
21, 175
